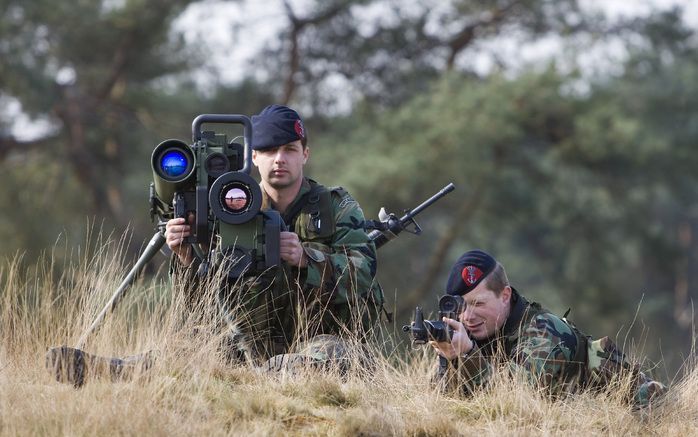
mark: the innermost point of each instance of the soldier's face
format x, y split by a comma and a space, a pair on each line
281, 167
485, 312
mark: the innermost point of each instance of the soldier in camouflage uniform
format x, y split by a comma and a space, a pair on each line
325, 286
500, 324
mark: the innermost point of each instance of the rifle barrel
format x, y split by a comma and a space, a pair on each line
379, 238
427, 203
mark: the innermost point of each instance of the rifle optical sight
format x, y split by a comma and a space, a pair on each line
451, 306
422, 331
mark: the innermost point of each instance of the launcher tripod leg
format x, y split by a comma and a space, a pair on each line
153, 247
71, 364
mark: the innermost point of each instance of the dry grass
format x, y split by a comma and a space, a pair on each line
191, 392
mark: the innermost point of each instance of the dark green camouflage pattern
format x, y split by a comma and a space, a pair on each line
542, 348
607, 364
324, 352
336, 294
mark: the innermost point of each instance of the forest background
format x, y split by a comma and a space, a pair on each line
571, 134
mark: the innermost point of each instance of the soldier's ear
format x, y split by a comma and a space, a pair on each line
506, 294
254, 158
306, 153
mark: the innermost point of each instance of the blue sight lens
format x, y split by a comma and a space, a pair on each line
173, 163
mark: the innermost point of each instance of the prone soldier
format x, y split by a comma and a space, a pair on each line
497, 321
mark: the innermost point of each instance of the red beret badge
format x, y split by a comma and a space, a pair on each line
300, 130
470, 275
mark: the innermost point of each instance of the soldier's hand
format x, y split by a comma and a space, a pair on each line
460, 343
291, 250
175, 231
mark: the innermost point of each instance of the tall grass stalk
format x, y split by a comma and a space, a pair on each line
192, 391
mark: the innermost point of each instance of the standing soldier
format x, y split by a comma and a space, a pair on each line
499, 322
325, 286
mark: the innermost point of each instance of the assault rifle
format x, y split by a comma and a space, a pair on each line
422, 331
389, 225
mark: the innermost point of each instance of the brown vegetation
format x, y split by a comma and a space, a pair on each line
190, 391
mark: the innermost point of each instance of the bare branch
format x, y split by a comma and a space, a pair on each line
463, 38
443, 245
10, 144
297, 27
118, 66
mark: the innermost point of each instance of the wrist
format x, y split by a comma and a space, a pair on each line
463, 354
467, 353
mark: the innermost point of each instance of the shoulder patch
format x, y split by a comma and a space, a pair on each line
344, 195
346, 201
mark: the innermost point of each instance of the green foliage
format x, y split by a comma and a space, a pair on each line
87, 68
39, 201
580, 196
589, 199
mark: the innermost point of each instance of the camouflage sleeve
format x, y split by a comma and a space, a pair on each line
606, 362
646, 391
540, 355
544, 350
348, 264
549, 345
187, 273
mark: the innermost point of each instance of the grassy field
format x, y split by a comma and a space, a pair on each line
190, 391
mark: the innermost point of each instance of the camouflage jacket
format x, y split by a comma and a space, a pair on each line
341, 260
336, 293
547, 350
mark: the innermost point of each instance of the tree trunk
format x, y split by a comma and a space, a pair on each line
438, 255
683, 313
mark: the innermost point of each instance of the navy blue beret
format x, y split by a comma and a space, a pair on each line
275, 126
470, 269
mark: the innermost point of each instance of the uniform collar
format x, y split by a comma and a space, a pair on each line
519, 305
268, 204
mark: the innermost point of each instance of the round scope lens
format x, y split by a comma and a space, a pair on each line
450, 304
236, 199
173, 163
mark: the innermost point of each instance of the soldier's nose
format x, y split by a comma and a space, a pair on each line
466, 315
